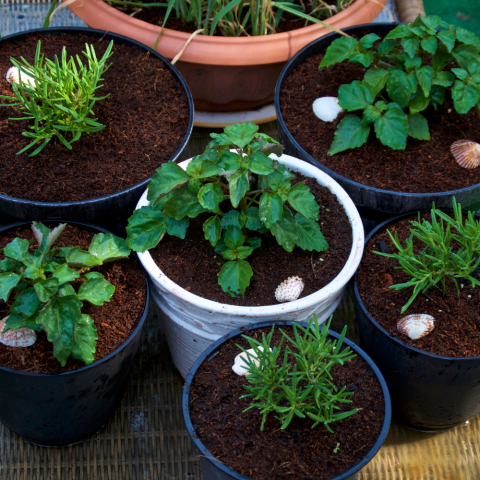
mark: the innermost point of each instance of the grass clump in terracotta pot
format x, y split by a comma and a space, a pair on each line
44, 296
407, 71
58, 96
244, 190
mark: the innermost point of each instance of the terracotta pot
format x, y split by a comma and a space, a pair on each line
224, 73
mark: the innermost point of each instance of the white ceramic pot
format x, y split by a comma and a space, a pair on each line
192, 323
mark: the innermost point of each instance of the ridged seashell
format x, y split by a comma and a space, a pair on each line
240, 366
416, 326
14, 75
326, 108
21, 337
289, 290
466, 153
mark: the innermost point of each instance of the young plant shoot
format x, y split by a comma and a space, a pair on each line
58, 96
301, 385
451, 250
245, 192
44, 296
407, 72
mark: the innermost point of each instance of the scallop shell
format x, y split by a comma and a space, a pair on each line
289, 290
466, 153
326, 108
416, 326
21, 337
240, 367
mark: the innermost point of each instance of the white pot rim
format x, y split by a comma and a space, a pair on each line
358, 239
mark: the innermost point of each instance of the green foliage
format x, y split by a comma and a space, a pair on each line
440, 259
301, 384
62, 100
408, 71
44, 298
244, 190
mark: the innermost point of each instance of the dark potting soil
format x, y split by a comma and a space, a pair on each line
115, 320
146, 118
421, 168
193, 264
299, 452
457, 318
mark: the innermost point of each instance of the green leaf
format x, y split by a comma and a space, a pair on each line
229, 161
363, 58
270, 208
238, 184
253, 219
46, 237
391, 129
209, 169
386, 46
338, 51
45, 289
232, 218
418, 102
350, 133
447, 38
418, 127
372, 112
233, 237
79, 258
26, 303
219, 140
66, 289
412, 63
108, 247
177, 228
437, 95
260, 164
429, 44
356, 95
425, 76
234, 254
168, 176
444, 79
241, 134
234, 277
210, 196
400, 31
212, 229
410, 45
96, 291
368, 40
64, 274
8, 281
254, 242
467, 37
466, 54
309, 235
285, 230
183, 203
17, 249
277, 180
430, 21
302, 200
145, 228
15, 321
460, 73
7, 265
400, 87
440, 60
377, 78
85, 338
464, 96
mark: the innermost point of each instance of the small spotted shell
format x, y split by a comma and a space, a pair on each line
289, 290
21, 337
326, 108
416, 326
466, 153
240, 367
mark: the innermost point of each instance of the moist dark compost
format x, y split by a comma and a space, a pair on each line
146, 117
193, 264
299, 452
421, 168
457, 318
115, 320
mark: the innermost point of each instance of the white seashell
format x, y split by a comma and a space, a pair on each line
21, 337
289, 289
416, 325
466, 153
326, 108
14, 75
240, 367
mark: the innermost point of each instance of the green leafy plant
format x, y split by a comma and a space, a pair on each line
451, 250
257, 189
301, 385
62, 99
409, 69
44, 296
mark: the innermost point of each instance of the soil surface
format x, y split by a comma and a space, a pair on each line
421, 168
146, 118
193, 264
457, 318
115, 320
299, 452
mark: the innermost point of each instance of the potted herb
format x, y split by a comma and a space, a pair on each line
300, 392
405, 95
227, 73
254, 230
416, 304
92, 109
72, 322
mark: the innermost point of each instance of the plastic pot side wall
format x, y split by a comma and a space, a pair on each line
192, 322
60, 409
108, 206
373, 203
429, 392
215, 470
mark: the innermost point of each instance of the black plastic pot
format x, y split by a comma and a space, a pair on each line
374, 204
60, 409
429, 392
111, 206
212, 469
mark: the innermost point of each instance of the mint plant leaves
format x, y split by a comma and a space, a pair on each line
243, 190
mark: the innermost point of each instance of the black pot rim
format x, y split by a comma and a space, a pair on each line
191, 374
383, 226
330, 172
120, 347
124, 40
